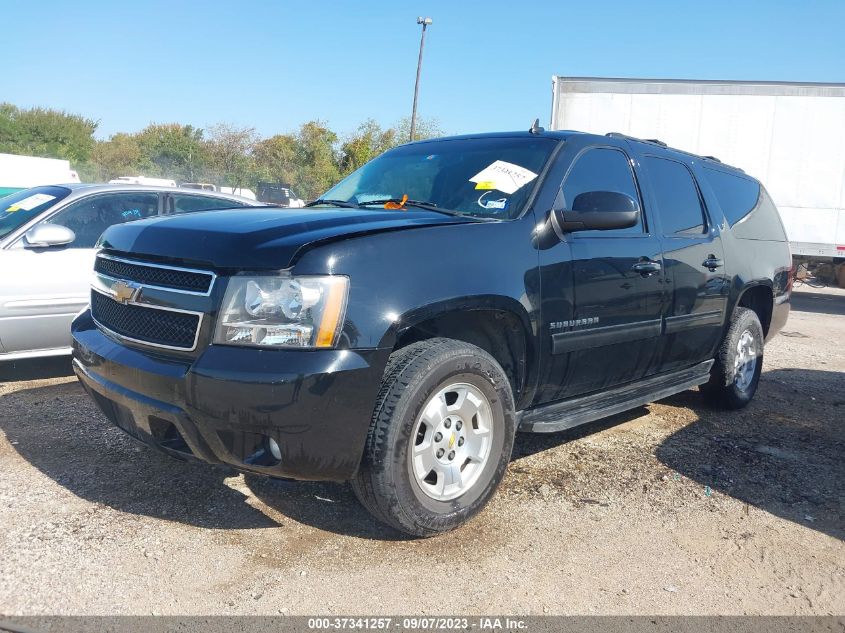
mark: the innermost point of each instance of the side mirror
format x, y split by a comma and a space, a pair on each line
48, 235
599, 210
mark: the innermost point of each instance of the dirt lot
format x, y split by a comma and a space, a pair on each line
669, 509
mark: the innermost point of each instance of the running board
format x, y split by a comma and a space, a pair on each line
559, 416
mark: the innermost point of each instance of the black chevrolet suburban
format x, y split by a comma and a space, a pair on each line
399, 331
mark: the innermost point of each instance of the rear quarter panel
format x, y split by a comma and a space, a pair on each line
756, 253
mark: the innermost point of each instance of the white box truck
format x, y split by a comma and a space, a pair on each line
791, 136
21, 172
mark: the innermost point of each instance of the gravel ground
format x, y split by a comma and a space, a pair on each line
669, 509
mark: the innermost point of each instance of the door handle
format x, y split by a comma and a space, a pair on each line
646, 268
712, 263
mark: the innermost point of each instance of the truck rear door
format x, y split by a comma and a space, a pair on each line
694, 260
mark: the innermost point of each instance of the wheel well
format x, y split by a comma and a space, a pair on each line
499, 333
760, 299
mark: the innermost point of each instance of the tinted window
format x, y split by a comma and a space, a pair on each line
763, 223
22, 206
89, 217
490, 177
601, 170
736, 195
676, 195
189, 204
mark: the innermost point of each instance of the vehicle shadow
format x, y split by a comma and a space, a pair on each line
333, 507
782, 454
328, 506
528, 444
35, 368
58, 430
827, 301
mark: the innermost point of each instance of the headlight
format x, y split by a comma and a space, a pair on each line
282, 311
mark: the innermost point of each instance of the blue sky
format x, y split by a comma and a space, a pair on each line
273, 65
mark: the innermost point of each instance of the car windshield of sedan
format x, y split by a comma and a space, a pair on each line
19, 208
486, 177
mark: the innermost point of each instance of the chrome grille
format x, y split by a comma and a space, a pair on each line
146, 324
155, 275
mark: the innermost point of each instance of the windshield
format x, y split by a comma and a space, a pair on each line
21, 207
486, 177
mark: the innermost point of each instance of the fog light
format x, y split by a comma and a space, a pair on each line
275, 449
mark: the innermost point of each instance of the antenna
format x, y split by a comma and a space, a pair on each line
535, 127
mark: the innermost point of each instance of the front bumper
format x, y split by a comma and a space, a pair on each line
225, 405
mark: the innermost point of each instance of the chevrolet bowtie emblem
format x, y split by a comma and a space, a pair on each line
452, 441
125, 291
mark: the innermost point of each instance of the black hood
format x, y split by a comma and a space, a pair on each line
256, 238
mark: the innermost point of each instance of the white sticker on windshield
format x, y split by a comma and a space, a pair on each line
503, 176
364, 198
28, 204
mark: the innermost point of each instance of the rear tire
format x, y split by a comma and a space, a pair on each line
739, 362
440, 439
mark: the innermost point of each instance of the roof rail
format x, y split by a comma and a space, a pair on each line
653, 141
660, 143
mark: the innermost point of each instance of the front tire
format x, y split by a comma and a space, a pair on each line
440, 439
739, 363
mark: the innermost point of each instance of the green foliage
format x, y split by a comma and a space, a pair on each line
366, 143
316, 159
426, 128
311, 160
175, 151
230, 154
45, 132
121, 155
275, 159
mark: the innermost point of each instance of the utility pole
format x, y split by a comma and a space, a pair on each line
425, 22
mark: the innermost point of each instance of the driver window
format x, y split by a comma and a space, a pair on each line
88, 218
602, 169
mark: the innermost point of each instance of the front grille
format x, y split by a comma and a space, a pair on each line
154, 275
149, 325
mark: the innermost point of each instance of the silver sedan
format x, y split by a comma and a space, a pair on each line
47, 239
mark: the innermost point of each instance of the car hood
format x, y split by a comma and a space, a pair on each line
258, 238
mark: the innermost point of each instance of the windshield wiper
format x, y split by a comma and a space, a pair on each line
334, 203
428, 206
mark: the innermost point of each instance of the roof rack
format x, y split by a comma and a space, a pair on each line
653, 141
660, 143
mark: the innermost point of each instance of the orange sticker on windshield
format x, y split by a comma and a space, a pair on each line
397, 205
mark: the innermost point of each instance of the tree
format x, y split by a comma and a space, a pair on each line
275, 159
121, 155
230, 154
366, 143
174, 151
426, 128
316, 159
45, 132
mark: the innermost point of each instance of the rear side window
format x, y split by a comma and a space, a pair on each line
189, 204
736, 195
676, 195
601, 169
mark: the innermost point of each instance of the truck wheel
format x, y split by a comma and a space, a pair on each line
739, 362
440, 438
